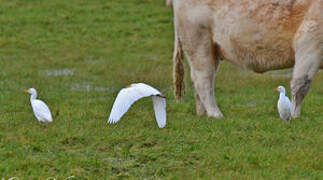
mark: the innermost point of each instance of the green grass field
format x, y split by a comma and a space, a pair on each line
79, 53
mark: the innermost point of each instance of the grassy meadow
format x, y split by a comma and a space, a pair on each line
79, 53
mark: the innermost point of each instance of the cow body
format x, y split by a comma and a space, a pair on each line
254, 34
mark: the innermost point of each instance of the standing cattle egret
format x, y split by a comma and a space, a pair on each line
127, 96
41, 110
283, 104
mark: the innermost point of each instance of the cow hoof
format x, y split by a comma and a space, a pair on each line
216, 115
294, 116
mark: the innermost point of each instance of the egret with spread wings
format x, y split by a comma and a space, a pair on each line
127, 96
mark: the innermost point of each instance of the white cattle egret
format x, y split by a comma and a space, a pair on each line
127, 96
283, 104
41, 110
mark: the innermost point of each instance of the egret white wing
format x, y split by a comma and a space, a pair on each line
41, 111
160, 110
145, 90
288, 108
284, 108
287, 101
125, 98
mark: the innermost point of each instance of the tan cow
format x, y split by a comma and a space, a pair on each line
259, 35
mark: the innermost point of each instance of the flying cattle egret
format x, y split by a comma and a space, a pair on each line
283, 104
127, 96
41, 110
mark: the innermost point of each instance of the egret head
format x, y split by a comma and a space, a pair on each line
281, 89
31, 91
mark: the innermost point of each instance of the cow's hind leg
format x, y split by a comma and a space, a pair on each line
203, 80
200, 110
308, 56
200, 51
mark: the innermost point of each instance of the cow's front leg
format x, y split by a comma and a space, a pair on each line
306, 66
308, 56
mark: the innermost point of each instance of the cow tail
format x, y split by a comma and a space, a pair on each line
169, 3
178, 68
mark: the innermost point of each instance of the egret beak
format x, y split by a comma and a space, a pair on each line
276, 89
26, 91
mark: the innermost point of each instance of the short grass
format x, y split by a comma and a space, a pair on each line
79, 53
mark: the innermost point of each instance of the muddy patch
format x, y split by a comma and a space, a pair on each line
58, 72
94, 60
3, 73
89, 87
284, 74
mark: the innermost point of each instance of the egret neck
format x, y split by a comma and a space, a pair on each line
33, 96
282, 94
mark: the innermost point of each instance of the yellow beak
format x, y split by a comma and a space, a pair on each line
26, 91
276, 89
